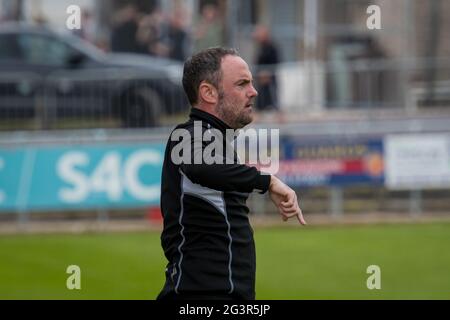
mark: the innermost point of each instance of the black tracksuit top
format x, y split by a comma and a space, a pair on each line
207, 238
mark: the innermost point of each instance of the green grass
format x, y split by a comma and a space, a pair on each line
292, 263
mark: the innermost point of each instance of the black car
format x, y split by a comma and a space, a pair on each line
51, 76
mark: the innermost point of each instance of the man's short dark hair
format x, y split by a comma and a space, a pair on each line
204, 66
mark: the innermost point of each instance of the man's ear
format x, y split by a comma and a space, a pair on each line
208, 93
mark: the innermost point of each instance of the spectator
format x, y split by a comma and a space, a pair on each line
152, 34
177, 36
266, 60
209, 31
123, 38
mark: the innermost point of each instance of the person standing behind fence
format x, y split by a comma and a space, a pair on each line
267, 58
123, 34
179, 39
209, 31
152, 33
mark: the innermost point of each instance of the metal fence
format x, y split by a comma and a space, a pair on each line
395, 84
89, 99
128, 99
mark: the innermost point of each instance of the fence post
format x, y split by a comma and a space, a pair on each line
336, 200
415, 203
22, 218
41, 116
102, 215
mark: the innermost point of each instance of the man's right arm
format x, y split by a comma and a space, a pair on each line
222, 176
241, 178
227, 177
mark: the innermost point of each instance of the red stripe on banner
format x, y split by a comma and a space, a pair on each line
353, 166
311, 167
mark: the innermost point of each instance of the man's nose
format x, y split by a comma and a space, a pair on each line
252, 93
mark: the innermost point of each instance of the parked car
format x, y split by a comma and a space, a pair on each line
47, 74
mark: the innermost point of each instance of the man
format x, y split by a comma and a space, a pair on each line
207, 237
266, 60
123, 34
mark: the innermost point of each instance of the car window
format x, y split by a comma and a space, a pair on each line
9, 48
43, 50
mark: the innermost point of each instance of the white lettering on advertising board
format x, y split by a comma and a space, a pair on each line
111, 176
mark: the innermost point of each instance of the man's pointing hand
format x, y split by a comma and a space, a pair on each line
285, 200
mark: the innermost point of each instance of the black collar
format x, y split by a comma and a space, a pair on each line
197, 114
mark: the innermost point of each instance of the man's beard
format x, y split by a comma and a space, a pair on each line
230, 114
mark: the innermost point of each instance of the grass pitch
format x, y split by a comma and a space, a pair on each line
292, 263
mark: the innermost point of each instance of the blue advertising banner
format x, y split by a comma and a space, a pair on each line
80, 177
332, 162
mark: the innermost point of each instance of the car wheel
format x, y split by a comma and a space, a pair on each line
141, 109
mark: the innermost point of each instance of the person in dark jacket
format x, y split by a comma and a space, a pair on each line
123, 34
207, 238
267, 59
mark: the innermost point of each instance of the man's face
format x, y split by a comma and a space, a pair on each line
236, 93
